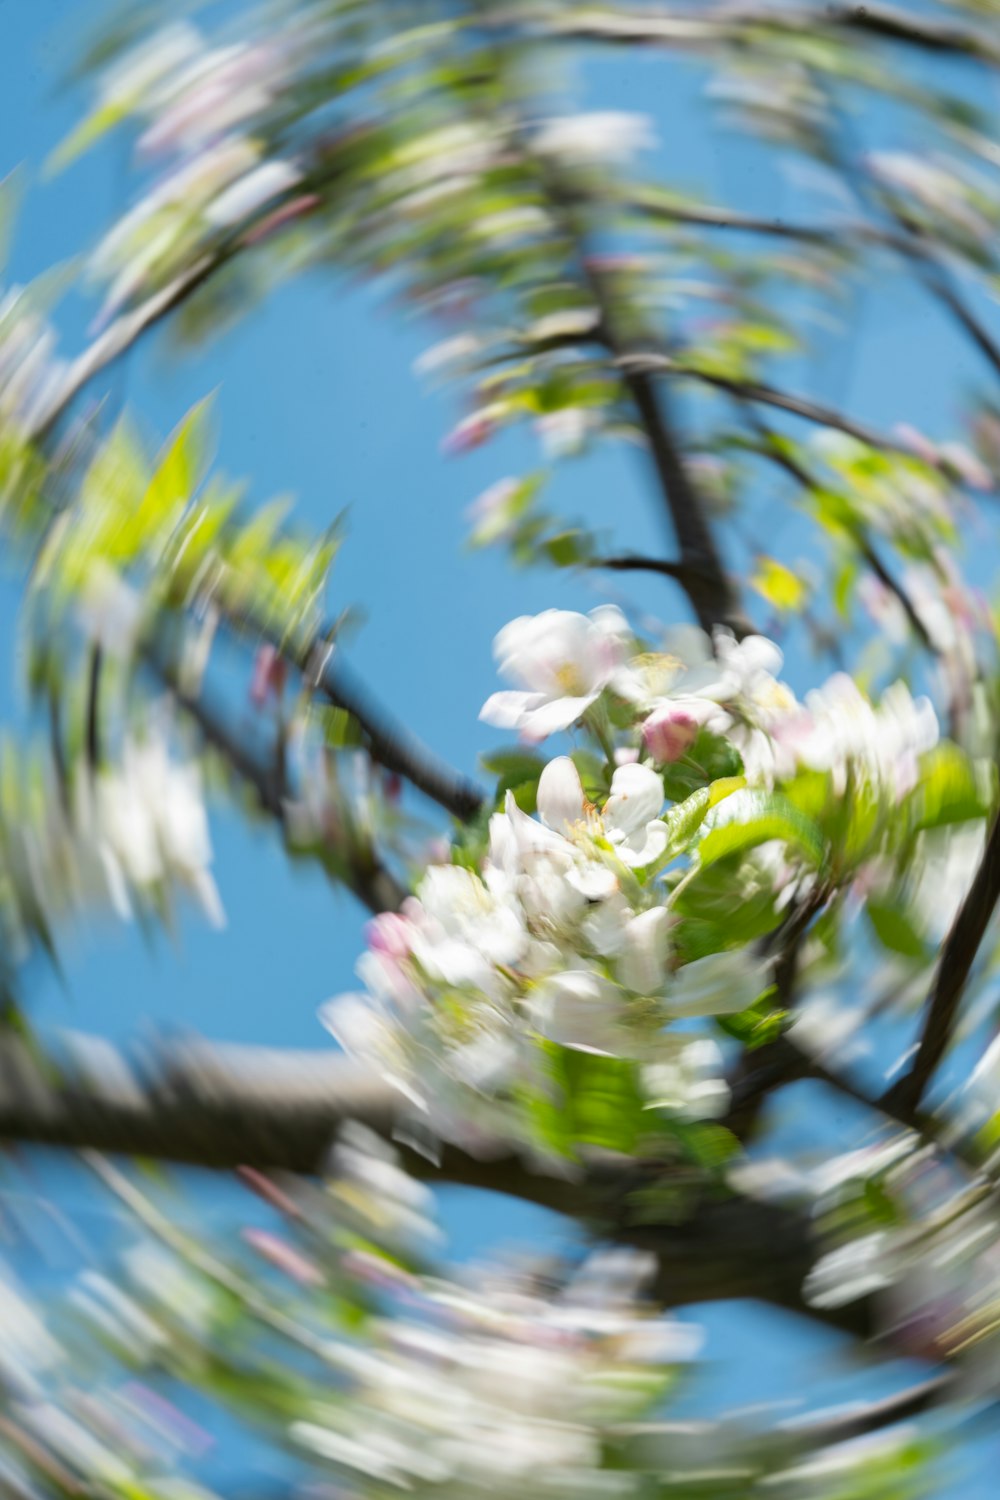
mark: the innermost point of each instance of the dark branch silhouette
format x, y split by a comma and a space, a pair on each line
710, 26
957, 957
226, 1106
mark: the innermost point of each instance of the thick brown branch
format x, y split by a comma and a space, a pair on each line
227, 1106
705, 580
703, 577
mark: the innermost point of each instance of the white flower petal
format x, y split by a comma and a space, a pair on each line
252, 192
721, 984
639, 849
508, 710
558, 714
636, 798
580, 1010
642, 965
561, 801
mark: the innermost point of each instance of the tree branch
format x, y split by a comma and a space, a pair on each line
653, 1443
804, 477
359, 869
395, 747
958, 954
709, 588
225, 1106
631, 562
651, 361
731, 22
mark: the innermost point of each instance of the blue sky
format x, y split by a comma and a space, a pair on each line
316, 397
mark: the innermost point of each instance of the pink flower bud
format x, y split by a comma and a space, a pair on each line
668, 733
389, 934
285, 214
284, 1257
470, 433
268, 676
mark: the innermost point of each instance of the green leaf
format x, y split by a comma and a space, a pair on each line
525, 794
843, 586
87, 134
758, 818
182, 464
759, 1024
593, 774
949, 790
894, 930
597, 1102
683, 820
709, 1146
568, 549
718, 912
711, 758
513, 762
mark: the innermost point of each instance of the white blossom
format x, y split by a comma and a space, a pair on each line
685, 1078
609, 136
629, 821
562, 662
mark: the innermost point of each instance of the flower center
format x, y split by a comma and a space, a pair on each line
570, 679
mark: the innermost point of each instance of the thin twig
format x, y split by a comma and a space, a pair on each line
652, 361
359, 869
803, 476
93, 735
633, 562
711, 591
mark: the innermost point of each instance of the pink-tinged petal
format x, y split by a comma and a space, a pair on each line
509, 710
269, 673
284, 1257
287, 213
669, 732
470, 433
390, 934
636, 798
611, 626
554, 716
561, 802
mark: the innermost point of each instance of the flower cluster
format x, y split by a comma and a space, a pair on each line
572, 931
555, 939
122, 837
200, 110
31, 373
494, 1384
